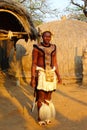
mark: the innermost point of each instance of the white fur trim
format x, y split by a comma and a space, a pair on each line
46, 85
39, 68
44, 112
47, 112
52, 109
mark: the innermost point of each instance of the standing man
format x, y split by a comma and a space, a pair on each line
44, 77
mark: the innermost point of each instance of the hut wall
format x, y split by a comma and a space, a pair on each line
84, 61
20, 61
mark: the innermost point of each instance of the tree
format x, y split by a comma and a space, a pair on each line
75, 13
39, 10
82, 6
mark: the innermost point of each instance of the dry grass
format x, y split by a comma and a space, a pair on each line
70, 36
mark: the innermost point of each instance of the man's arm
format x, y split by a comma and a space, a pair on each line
33, 67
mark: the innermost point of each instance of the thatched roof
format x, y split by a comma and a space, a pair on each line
70, 36
16, 18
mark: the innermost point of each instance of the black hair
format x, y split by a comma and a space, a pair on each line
46, 32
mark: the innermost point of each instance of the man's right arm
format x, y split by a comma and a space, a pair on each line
33, 67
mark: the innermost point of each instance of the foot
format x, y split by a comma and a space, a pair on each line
48, 122
42, 123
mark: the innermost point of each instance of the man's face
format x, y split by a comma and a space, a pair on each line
46, 37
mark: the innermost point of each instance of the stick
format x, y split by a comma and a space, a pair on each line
34, 101
33, 105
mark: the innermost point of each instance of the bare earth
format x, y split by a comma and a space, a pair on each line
15, 107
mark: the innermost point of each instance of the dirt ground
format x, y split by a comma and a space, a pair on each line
15, 107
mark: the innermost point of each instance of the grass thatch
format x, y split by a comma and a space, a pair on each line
70, 36
21, 14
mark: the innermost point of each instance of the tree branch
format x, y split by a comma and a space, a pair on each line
72, 1
22, 1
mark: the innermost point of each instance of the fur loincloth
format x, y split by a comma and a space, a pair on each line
44, 83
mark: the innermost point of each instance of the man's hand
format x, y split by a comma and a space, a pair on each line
60, 81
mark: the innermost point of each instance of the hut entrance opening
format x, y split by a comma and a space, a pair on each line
8, 21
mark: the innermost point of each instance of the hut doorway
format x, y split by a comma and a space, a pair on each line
16, 21
7, 22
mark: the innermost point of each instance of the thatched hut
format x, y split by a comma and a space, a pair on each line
15, 23
70, 36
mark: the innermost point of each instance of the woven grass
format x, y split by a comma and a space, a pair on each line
70, 36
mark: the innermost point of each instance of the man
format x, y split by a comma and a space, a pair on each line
44, 75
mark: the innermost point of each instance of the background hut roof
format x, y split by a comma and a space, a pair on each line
16, 18
70, 36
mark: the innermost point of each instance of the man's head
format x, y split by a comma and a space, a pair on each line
46, 35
